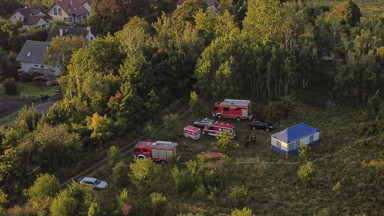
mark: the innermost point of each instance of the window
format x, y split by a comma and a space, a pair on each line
60, 11
237, 109
55, 11
29, 54
144, 150
137, 150
310, 138
70, 19
215, 108
278, 144
226, 109
36, 65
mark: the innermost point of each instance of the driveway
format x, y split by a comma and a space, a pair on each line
11, 105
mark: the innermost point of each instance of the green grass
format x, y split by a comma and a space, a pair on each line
30, 89
7, 121
271, 178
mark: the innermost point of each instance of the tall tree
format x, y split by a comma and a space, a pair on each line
61, 49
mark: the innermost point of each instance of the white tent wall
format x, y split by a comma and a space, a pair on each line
294, 145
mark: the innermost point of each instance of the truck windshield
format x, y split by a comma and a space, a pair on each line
215, 108
137, 150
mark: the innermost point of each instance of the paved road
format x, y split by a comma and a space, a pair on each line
10, 105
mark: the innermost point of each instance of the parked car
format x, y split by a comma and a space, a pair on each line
260, 124
93, 182
201, 123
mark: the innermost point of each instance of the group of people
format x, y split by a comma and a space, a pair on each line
253, 140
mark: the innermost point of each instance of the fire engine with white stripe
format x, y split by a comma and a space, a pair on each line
231, 108
160, 151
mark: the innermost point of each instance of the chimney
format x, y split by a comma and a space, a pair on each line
70, 2
61, 32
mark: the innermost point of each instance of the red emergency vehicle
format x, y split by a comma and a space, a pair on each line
192, 132
157, 151
231, 108
218, 127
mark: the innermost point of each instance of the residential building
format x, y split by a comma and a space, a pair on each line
69, 11
31, 16
31, 58
62, 31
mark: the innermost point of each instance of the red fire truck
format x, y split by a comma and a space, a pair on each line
157, 151
231, 108
218, 127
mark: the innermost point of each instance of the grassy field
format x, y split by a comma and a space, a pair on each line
271, 178
30, 89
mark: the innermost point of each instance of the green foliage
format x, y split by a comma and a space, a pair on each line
61, 50
120, 174
76, 200
194, 103
336, 188
101, 126
114, 155
145, 174
304, 150
45, 186
307, 172
3, 198
225, 142
124, 203
172, 126
27, 119
238, 195
200, 193
42, 192
347, 13
151, 131
243, 212
278, 110
153, 105
323, 212
159, 203
94, 210
10, 86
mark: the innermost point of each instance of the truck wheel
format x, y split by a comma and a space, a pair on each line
141, 157
163, 161
219, 116
238, 118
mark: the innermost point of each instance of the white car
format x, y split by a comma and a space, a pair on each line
94, 182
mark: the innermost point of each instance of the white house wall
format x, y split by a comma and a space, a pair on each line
88, 7
42, 23
25, 66
61, 17
16, 16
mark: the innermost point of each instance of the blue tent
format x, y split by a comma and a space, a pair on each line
288, 141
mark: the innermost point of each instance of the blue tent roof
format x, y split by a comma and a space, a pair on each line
295, 132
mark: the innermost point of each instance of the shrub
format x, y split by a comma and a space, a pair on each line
159, 203
243, 212
238, 195
10, 86
145, 174
200, 192
114, 155
119, 174
307, 172
224, 142
303, 152
171, 126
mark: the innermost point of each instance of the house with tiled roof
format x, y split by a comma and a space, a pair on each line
87, 4
213, 4
31, 16
31, 58
69, 11
63, 31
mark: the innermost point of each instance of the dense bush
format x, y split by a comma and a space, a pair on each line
10, 86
